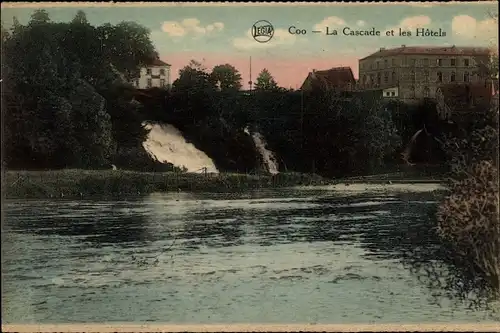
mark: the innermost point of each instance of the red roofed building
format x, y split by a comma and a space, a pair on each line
334, 79
416, 72
156, 74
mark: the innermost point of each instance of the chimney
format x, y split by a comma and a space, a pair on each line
314, 71
403, 45
382, 48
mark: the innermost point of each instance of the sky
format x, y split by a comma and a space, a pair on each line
216, 34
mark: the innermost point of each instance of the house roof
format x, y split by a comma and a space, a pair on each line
334, 77
158, 62
460, 96
431, 50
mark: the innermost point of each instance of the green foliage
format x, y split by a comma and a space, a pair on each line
79, 183
468, 217
226, 78
60, 112
310, 131
265, 81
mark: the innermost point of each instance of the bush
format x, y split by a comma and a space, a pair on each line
468, 220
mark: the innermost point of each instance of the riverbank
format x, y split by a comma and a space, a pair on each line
85, 183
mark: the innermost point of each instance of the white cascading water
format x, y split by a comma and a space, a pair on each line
268, 156
166, 144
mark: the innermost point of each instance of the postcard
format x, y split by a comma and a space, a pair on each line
250, 166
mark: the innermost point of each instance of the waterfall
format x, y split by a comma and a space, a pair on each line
166, 144
268, 156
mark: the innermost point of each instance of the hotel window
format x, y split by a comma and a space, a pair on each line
453, 77
162, 83
378, 64
453, 62
393, 77
440, 62
386, 63
466, 62
393, 62
148, 71
413, 62
425, 62
393, 93
386, 77
412, 91
426, 75
412, 76
162, 71
378, 78
426, 92
439, 77
466, 77
137, 83
150, 83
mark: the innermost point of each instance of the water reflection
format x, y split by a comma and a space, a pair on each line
320, 245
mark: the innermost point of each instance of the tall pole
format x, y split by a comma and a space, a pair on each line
302, 117
250, 82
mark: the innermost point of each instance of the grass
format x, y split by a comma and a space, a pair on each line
90, 183
86, 183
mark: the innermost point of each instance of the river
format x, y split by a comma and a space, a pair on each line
306, 255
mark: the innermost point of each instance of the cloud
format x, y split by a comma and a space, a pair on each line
361, 23
331, 21
174, 29
280, 37
412, 23
467, 27
189, 25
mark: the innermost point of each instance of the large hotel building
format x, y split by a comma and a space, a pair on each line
417, 72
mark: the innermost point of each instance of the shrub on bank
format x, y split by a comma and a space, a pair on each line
468, 220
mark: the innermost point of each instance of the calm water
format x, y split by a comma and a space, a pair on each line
331, 255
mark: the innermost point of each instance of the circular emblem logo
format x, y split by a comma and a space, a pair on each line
262, 31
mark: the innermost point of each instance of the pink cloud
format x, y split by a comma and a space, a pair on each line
288, 72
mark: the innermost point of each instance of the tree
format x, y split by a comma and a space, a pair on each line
193, 78
80, 18
39, 16
226, 78
265, 81
57, 75
94, 132
468, 217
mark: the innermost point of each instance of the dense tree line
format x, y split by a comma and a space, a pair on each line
328, 133
62, 102
68, 104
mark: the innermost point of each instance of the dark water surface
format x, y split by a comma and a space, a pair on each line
332, 255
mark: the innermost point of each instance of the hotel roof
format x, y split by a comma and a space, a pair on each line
333, 77
431, 50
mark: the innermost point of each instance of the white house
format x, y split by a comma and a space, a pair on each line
155, 75
390, 92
